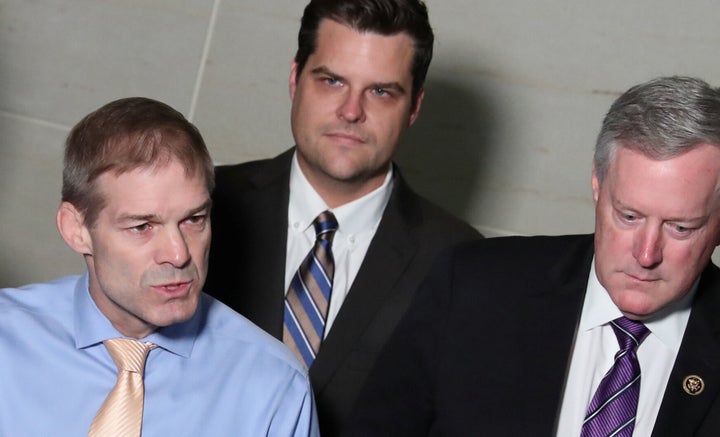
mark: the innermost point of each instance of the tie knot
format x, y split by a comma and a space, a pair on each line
629, 333
325, 226
129, 355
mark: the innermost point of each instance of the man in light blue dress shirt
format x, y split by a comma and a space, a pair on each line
136, 204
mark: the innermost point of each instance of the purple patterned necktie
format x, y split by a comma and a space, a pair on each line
613, 408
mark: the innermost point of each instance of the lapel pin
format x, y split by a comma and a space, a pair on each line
693, 385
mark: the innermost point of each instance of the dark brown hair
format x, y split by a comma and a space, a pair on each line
124, 135
385, 17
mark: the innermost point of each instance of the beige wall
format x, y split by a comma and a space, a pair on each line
515, 96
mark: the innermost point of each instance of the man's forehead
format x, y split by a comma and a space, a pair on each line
329, 27
158, 167
682, 183
147, 190
324, 22
348, 52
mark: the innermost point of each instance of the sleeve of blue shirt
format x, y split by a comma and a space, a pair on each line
297, 416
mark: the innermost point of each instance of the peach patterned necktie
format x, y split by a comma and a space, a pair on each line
121, 413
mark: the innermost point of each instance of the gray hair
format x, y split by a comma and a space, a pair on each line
661, 119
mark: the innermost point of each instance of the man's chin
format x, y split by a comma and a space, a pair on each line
177, 311
634, 304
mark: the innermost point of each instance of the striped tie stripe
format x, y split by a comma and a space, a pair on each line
121, 413
308, 297
613, 407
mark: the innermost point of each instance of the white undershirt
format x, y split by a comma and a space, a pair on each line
594, 352
357, 223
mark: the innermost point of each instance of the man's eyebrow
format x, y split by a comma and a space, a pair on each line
205, 206
385, 85
324, 70
618, 204
155, 218
138, 218
390, 85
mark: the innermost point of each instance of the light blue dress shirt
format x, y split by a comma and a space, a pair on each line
215, 375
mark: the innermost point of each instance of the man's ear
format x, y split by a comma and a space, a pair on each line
71, 224
292, 80
595, 185
415, 110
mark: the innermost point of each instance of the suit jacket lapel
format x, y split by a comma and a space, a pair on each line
682, 413
390, 252
269, 201
548, 344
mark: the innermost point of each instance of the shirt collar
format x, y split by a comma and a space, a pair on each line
669, 327
92, 327
353, 217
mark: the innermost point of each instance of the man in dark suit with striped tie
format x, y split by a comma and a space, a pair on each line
356, 84
615, 333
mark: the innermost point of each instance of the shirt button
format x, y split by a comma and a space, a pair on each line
351, 239
296, 225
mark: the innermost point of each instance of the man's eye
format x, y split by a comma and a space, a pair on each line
140, 228
197, 219
682, 230
381, 92
332, 81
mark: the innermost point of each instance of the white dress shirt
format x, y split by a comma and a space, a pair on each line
594, 352
357, 223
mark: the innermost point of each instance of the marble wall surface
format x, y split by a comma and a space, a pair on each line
514, 99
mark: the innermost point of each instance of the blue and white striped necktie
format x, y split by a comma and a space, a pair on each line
308, 297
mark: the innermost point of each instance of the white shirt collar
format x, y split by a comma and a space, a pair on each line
353, 217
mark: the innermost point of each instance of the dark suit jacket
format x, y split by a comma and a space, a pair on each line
247, 271
484, 349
